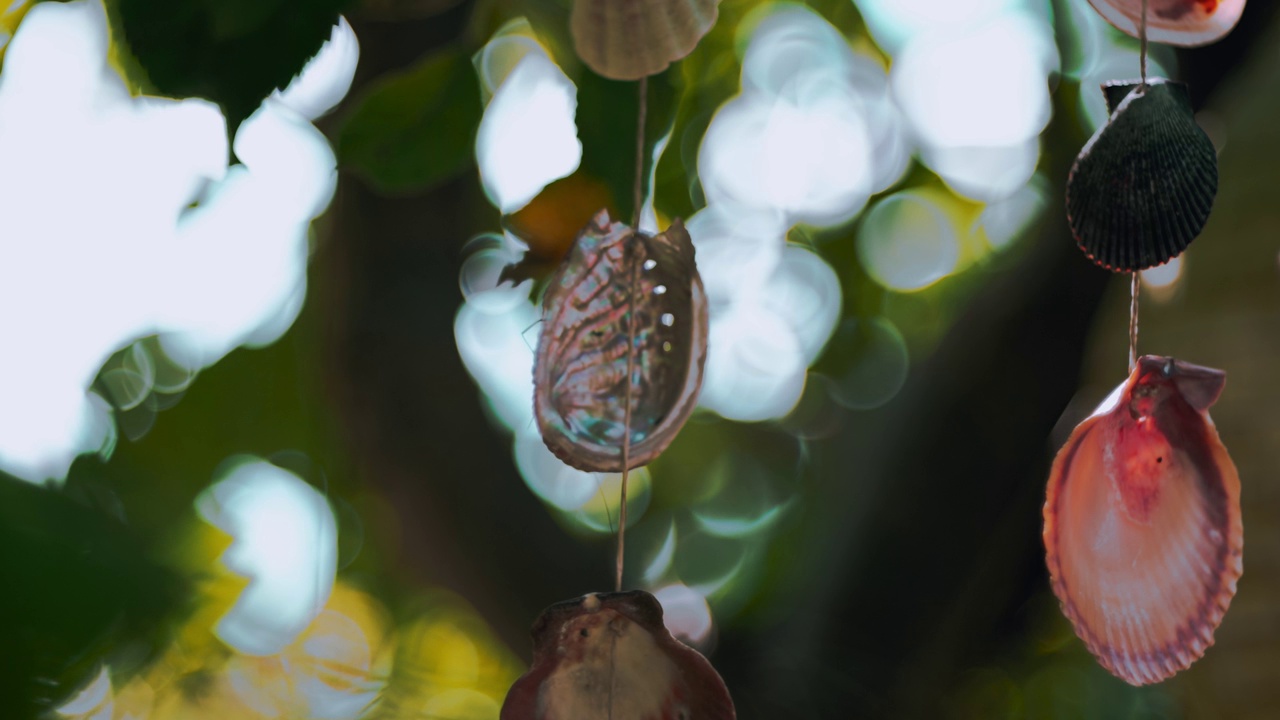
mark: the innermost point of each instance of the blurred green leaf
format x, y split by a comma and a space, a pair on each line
78, 586
233, 52
711, 73
607, 112
416, 128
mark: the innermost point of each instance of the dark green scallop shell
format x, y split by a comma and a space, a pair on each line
1142, 188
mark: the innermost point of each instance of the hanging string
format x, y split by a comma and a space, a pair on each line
1142, 41
637, 198
1133, 322
1134, 280
639, 185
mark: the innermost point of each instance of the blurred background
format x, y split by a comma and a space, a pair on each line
266, 438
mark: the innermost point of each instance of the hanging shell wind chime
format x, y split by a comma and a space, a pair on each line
1142, 525
617, 373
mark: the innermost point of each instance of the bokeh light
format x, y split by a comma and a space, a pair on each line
284, 541
737, 251
1162, 282
870, 361
527, 137
894, 22
685, 613
757, 370
813, 133
557, 484
164, 239
1007, 219
94, 702
977, 98
907, 242
326, 78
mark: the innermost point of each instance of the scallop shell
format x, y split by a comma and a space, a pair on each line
580, 369
1186, 23
609, 655
1142, 524
1142, 188
630, 39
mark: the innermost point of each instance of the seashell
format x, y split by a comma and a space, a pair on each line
1143, 186
580, 369
1186, 23
608, 655
1142, 524
631, 39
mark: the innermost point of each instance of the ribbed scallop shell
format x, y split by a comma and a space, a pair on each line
1142, 188
609, 655
1187, 23
1142, 525
580, 369
630, 39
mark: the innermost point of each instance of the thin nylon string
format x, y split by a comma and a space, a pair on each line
1133, 282
639, 185
631, 337
1142, 40
1133, 322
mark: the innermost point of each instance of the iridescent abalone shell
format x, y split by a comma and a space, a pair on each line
580, 371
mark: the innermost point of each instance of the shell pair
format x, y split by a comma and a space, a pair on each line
1142, 188
620, 358
1142, 526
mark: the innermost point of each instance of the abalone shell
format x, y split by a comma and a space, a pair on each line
580, 371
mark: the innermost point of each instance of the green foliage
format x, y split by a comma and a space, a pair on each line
607, 111
77, 585
233, 52
417, 128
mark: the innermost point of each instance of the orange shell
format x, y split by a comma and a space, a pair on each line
1186, 23
1142, 523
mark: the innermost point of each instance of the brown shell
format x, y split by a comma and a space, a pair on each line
1142, 526
1186, 23
631, 39
1142, 188
608, 655
580, 369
